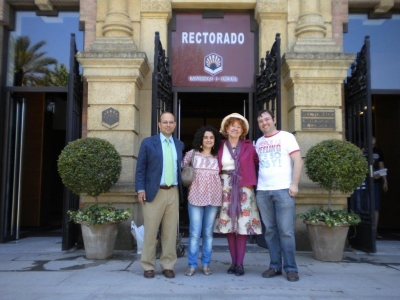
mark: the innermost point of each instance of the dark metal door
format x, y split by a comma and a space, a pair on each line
268, 84
268, 95
358, 114
161, 85
73, 132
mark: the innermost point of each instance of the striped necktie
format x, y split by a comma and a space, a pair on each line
169, 165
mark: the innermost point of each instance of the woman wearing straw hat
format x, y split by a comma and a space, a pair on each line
238, 216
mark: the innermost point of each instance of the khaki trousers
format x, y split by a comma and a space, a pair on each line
164, 210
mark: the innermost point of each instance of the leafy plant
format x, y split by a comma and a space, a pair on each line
335, 165
31, 64
59, 77
91, 166
94, 214
331, 217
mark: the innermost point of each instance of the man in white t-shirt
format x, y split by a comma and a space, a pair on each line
278, 179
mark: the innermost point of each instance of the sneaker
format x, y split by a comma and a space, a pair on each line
207, 270
292, 276
232, 268
239, 271
190, 271
271, 273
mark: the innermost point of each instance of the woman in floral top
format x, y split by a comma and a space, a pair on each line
205, 196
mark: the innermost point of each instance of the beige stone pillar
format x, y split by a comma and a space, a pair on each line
115, 72
312, 75
271, 16
311, 29
117, 21
155, 15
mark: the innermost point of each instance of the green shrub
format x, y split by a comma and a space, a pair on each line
335, 165
94, 214
91, 166
331, 217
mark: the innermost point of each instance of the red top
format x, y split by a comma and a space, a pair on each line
248, 160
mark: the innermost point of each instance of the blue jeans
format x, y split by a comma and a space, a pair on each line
277, 210
201, 223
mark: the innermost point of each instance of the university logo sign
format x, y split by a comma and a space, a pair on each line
213, 64
213, 52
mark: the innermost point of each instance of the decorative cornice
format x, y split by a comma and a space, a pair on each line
156, 6
317, 56
271, 6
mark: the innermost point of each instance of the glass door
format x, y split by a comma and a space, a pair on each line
14, 163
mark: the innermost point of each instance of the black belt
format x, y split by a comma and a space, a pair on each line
166, 187
228, 172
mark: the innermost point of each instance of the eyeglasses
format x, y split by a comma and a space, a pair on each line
236, 127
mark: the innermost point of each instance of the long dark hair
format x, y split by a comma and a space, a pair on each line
198, 139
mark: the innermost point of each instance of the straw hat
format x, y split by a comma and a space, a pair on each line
237, 116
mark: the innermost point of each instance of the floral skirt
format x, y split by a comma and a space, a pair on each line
248, 222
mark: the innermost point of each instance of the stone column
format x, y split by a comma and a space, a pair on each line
312, 74
154, 16
271, 16
311, 29
117, 22
115, 72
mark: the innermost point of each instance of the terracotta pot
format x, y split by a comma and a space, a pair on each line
99, 240
327, 243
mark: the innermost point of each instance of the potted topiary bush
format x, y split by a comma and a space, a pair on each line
335, 165
92, 166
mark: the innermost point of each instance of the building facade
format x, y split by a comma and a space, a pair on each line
117, 62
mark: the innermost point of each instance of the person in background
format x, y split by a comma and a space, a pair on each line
205, 196
278, 181
238, 216
378, 180
159, 186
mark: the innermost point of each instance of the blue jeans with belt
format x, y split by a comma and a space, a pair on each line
277, 210
201, 224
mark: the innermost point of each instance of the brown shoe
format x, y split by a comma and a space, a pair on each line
148, 274
168, 273
207, 270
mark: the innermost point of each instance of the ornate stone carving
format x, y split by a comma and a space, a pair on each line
156, 6
271, 6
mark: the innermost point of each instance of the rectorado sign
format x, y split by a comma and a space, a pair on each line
213, 52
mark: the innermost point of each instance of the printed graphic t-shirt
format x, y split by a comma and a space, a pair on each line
275, 168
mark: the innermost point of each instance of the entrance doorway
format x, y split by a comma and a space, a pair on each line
200, 109
36, 136
386, 111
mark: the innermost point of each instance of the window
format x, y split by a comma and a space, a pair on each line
385, 47
48, 38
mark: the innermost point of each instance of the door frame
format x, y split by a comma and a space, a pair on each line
4, 201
